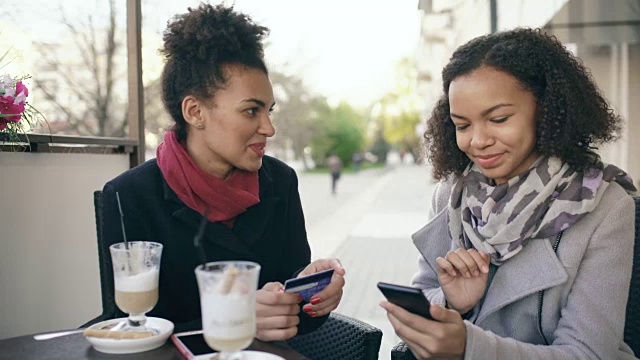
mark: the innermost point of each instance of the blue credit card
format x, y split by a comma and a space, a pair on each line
309, 285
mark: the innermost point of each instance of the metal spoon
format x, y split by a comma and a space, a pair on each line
56, 334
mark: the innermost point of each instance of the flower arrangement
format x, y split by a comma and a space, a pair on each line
16, 114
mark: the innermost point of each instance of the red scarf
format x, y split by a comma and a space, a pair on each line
224, 199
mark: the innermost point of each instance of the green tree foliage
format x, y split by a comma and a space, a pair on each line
398, 112
339, 130
401, 132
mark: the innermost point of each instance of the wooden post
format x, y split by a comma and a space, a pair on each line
136, 90
493, 9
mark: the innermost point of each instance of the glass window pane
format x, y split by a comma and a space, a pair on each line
76, 54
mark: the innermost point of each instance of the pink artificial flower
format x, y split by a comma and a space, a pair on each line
13, 99
8, 106
22, 93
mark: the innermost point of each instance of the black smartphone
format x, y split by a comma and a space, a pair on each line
407, 297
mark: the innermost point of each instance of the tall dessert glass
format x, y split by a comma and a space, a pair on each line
136, 270
228, 302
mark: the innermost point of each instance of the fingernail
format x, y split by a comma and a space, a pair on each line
315, 300
281, 289
313, 313
485, 268
300, 298
475, 273
466, 274
307, 308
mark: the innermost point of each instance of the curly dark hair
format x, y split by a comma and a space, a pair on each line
572, 117
198, 45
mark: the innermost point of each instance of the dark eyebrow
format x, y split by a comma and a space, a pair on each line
258, 102
485, 112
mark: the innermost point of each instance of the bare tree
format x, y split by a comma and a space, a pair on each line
87, 76
157, 119
295, 113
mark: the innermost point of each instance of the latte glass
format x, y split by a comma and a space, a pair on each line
136, 270
228, 303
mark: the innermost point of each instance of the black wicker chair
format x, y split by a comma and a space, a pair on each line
402, 352
104, 260
340, 338
632, 324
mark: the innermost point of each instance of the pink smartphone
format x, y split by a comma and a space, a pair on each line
191, 345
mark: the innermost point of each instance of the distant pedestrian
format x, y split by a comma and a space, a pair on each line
357, 159
335, 167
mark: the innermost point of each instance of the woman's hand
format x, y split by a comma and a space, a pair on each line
444, 338
463, 276
329, 298
276, 313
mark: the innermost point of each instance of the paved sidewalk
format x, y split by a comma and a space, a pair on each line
370, 232
329, 219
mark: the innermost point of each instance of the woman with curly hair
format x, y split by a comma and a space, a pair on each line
528, 251
212, 163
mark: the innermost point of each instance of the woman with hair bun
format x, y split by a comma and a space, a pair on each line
529, 248
212, 162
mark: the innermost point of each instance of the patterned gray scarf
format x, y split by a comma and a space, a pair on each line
539, 203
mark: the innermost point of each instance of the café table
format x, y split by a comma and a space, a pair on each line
77, 347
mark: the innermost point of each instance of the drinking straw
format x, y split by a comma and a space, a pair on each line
229, 276
197, 240
124, 234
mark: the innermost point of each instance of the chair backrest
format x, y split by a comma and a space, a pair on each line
632, 323
109, 308
402, 352
340, 338
104, 259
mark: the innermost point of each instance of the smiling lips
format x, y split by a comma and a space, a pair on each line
258, 148
488, 160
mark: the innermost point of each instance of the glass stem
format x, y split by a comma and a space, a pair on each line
137, 320
236, 355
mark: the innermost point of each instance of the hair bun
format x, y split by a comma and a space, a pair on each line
212, 34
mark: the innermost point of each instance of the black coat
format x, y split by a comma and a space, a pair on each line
271, 233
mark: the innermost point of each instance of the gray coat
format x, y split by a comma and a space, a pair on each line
586, 285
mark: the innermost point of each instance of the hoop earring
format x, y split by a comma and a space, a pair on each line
200, 126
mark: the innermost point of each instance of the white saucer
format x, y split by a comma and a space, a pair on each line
246, 355
130, 346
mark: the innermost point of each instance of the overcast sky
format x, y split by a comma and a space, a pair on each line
344, 49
